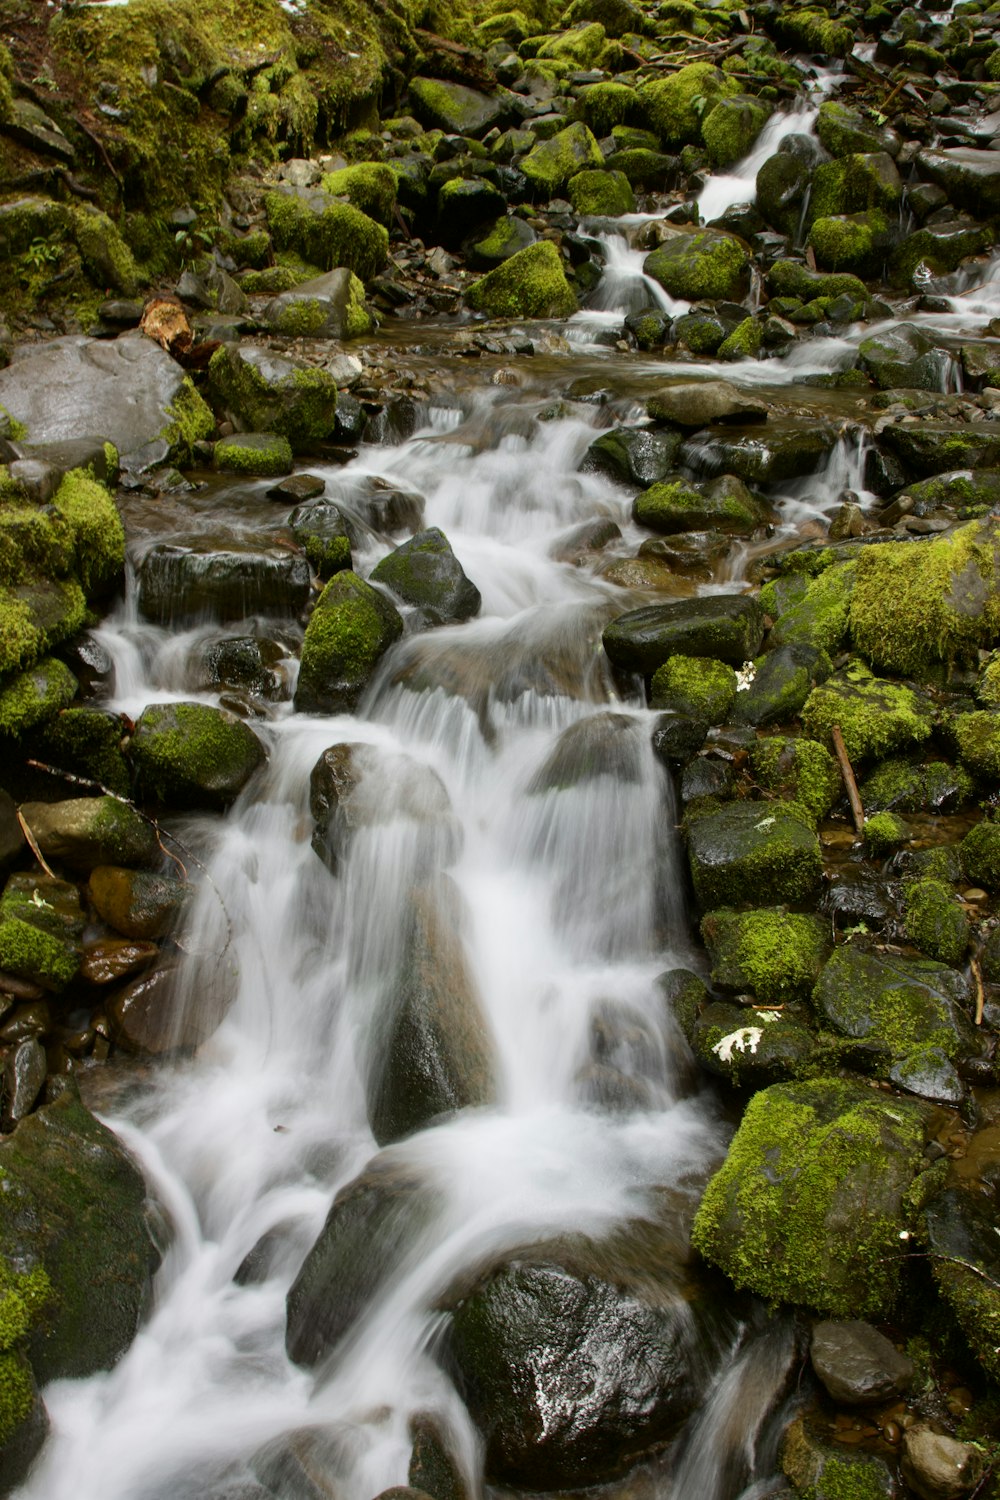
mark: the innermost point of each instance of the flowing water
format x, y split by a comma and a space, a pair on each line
573, 905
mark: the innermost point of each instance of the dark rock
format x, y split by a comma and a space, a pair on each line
858, 1365
746, 847
324, 533
297, 488
425, 573
331, 306
150, 1016
192, 755
784, 450
729, 627
633, 455
137, 903
605, 744
180, 585
23, 1079
362, 786
697, 404
350, 630
961, 1238
970, 177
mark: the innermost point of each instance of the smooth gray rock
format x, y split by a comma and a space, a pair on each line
857, 1364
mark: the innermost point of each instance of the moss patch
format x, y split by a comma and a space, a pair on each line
875, 717
696, 686
775, 954
800, 770
531, 284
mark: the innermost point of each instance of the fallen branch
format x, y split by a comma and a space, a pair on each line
846, 771
977, 975
33, 843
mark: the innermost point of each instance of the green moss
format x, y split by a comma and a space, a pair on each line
299, 405
695, 685
23, 1296
260, 453
370, 186
706, 264
579, 46
675, 106
531, 284
850, 242
790, 278
898, 785
190, 422
980, 855
741, 849
339, 235
904, 1006
775, 954
810, 30
935, 921
601, 194
875, 717
86, 742
605, 105
349, 630
275, 279
731, 127
911, 603
17, 1394
98, 534
884, 832
34, 695
808, 1206
34, 955
191, 754
820, 616
550, 165
800, 770
744, 342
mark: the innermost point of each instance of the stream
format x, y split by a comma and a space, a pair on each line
572, 903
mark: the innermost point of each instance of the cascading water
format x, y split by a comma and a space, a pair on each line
556, 825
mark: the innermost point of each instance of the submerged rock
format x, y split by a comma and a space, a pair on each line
180, 585
355, 786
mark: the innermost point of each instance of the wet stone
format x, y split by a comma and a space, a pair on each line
23, 1079
858, 1365
297, 488
727, 626
113, 959
137, 903
181, 585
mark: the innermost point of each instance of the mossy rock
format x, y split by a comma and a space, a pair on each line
812, 30
810, 1203
901, 786
191, 755
884, 833
271, 393
75, 1215
823, 1470
876, 717
729, 627
82, 832
820, 616
24, 1422
707, 263
505, 239
90, 513
980, 855
923, 602
86, 742
741, 849
326, 233
844, 131
745, 340
696, 686
731, 127
551, 164
331, 306
320, 528
791, 278
678, 505
137, 903
36, 614
935, 921
903, 356
853, 242
41, 924
605, 105
349, 631
30, 698
256, 454
531, 284
752, 1046
453, 107
633, 455
800, 770
782, 681
597, 194
425, 573
774, 954
676, 106
369, 185
961, 1239
854, 184
782, 184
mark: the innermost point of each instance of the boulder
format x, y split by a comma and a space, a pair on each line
676, 106
531, 284
837, 1246
633, 455
782, 186
320, 528
788, 449
876, 717
961, 1239
798, 769
782, 681
127, 389
425, 574
254, 454
698, 403
41, 924
324, 231
705, 263
31, 698
190, 755
904, 356
454, 108
677, 505
355, 786
604, 744
935, 447
729, 627
465, 205
137, 903
844, 131
744, 848
86, 831
185, 584
969, 176
771, 953
827, 1469
267, 392
349, 631
939, 1467
550, 165
731, 127
156, 1016
857, 1365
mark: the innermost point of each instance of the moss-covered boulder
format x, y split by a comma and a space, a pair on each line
903, 356
531, 284
677, 504
676, 106
781, 682
924, 602
935, 920
729, 627
854, 184
731, 127
465, 205
977, 738
86, 831
41, 927
425, 573
331, 306
876, 717
853, 242
743, 848
813, 612
31, 698
453, 107
935, 447
75, 1220
600, 194
369, 185
97, 536
792, 278
633, 455
506, 238
705, 263
959, 1230
844, 131
774, 954
752, 1046
605, 105
809, 1205
256, 454
694, 685
325, 232
980, 855
266, 392
824, 1470
551, 164
351, 628
798, 769
899, 785
193, 755
781, 188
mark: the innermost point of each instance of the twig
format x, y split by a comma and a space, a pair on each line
977, 975
853, 795
33, 844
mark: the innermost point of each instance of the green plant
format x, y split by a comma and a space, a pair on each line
41, 253
190, 243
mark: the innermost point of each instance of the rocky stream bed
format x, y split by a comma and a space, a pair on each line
499, 750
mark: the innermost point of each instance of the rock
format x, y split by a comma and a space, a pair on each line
153, 1016
325, 232
799, 770
876, 717
383, 507
844, 131
904, 356
781, 188
935, 920
362, 786
782, 681
938, 248
980, 855
375, 1226
933, 447
137, 903
857, 1365
331, 306
349, 631
938, 1467
698, 403
550, 165
730, 129
784, 450
696, 686
369, 185
837, 1247
29, 699
531, 284
746, 847
970, 177
425, 573
86, 831
305, 1464
605, 744
454, 108
438, 1054
751, 1048
433, 1469
25, 1423
254, 454
676, 505
570, 1377
773, 954
505, 239
676, 106
465, 206
247, 665
601, 194
705, 263
729, 627
74, 1220
322, 531
633, 455
128, 390
296, 489
272, 393
41, 924
24, 1076
813, 614
961, 1239
181, 585
826, 1470
112, 959
193, 755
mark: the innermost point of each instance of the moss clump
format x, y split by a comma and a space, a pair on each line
875, 717
730, 129
851, 242
790, 278
811, 30
86, 742
695, 685
676, 106
17, 1394
193, 755
274, 279
531, 284
601, 194
820, 616
259, 453
799, 770
897, 785
190, 422
747, 847
98, 534
286, 397
744, 342
980, 855
707, 264
923, 602
605, 105
337, 234
550, 165
808, 1206
38, 956
935, 922
369, 185
884, 832
351, 628
32, 696
775, 954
